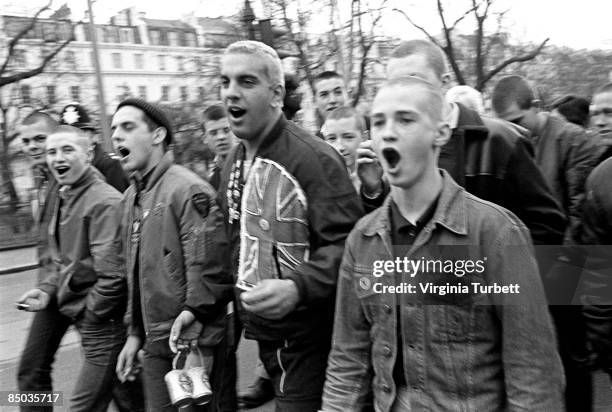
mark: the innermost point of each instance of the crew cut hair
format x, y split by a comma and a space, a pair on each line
345, 112
435, 99
273, 68
434, 55
38, 116
512, 89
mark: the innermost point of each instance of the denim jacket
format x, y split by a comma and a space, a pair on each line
467, 352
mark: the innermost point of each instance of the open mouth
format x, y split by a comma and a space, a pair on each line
123, 152
391, 156
236, 112
62, 170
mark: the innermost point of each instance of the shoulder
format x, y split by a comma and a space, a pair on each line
313, 162
184, 184
503, 132
492, 220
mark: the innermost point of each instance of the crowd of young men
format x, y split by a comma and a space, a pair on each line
276, 246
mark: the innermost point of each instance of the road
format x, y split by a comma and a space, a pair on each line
14, 326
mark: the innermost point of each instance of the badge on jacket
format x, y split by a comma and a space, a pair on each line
201, 203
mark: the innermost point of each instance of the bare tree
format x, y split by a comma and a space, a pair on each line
482, 12
9, 77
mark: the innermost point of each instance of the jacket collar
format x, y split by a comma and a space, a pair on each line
164, 164
273, 135
90, 176
450, 212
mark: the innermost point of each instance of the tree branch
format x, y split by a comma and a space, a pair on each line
422, 29
31, 73
449, 49
23, 32
516, 59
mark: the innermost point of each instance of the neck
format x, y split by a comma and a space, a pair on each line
251, 146
156, 157
414, 201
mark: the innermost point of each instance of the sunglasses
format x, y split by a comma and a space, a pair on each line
38, 139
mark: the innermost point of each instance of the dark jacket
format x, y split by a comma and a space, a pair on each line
45, 193
87, 270
111, 168
491, 159
470, 351
566, 155
170, 252
313, 197
596, 288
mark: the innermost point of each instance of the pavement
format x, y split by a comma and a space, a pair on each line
18, 260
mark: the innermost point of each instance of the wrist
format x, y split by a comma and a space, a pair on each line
372, 193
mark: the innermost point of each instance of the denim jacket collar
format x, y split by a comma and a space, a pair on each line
450, 212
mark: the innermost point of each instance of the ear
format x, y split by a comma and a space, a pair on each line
446, 79
365, 135
279, 95
90, 154
444, 134
159, 135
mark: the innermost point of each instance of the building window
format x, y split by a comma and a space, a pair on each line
92, 59
197, 63
75, 93
162, 62
51, 97
180, 66
142, 92
191, 40
123, 92
26, 97
154, 37
139, 61
117, 63
165, 93
20, 59
201, 94
125, 36
163, 38
173, 38
70, 59
184, 94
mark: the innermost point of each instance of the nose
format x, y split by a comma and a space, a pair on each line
229, 91
388, 132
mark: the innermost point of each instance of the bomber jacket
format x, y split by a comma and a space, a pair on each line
493, 161
85, 270
469, 351
313, 196
566, 155
596, 288
168, 228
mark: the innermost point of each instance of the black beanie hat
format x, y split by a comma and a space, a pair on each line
154, 113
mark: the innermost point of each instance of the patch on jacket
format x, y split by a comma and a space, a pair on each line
274, 235
201, 203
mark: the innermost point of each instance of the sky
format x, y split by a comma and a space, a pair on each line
577, 24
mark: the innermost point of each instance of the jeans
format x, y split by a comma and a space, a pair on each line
297, 370
157, 361
101, 344
34, 373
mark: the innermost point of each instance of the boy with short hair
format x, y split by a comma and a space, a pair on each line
344, 129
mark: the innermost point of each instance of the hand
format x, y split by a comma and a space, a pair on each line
35, 300
184, 332
127, 365
271, 298
369, 169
